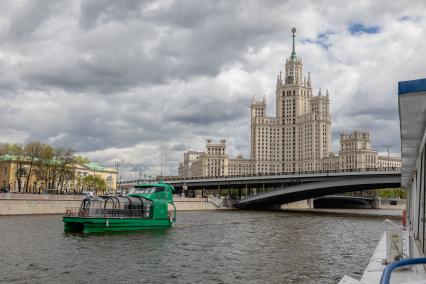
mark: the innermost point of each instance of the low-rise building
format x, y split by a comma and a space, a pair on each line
240, 166
212, 162
19, 174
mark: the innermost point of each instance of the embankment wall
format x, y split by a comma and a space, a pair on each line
27, 204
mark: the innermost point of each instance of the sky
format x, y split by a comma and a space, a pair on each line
137, 82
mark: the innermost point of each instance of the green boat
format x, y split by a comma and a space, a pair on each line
147, 206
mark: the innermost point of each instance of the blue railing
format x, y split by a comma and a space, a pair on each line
404, 262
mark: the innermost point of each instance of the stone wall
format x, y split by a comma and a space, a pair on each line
303, 204
17, 204
25, 204
183, 204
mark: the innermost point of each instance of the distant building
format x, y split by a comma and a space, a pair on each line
356, 154
212, 162
297, 139
48, 178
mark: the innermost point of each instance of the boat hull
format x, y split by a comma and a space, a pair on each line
98, 225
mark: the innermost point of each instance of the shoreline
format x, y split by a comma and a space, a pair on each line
29, 204
388, 213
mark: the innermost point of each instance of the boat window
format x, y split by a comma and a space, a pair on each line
147, 190
143, 190
92, 202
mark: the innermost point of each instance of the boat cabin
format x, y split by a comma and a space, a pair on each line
116, 206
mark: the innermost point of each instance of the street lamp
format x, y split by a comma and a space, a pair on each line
161, 166
387, 148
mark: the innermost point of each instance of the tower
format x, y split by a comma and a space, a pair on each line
258, 111
299, 136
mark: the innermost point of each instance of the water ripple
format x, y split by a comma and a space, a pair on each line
204, 247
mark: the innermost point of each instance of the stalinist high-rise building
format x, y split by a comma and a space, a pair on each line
299, 136
297, 139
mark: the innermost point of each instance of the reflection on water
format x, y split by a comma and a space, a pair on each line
203, 247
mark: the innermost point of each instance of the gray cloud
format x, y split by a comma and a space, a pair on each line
30, 17
99, 12
133, 80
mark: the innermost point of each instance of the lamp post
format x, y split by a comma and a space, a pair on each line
387, 148
161, 166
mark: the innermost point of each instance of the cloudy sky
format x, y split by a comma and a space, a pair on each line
130, 81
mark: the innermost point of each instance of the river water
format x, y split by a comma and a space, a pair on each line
203, 247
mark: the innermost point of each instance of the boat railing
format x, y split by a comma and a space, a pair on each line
404, 262
106, 213
174, 212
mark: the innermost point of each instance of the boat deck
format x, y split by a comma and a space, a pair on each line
373, 273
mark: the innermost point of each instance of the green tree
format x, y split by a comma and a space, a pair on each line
392, 193
94, 183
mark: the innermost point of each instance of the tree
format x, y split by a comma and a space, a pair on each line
392, 193
81, 159
94, 183
16, 150
32, 152
5, 149
64, 157
43, 165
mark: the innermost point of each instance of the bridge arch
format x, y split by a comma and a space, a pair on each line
317, 189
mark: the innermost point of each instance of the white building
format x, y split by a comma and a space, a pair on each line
297, 139
300, 134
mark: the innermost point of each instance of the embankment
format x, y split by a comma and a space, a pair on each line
27, 204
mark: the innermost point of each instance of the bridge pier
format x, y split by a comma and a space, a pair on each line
310, 203
377, 202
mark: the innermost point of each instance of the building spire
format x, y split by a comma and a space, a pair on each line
293, 52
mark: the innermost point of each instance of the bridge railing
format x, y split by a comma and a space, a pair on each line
177, 179
392, 169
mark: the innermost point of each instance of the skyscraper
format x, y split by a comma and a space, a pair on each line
299, 136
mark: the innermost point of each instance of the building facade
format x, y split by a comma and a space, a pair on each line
296, 139
212, 162
22, 176
299, 136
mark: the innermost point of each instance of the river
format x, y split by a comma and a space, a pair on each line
204, 247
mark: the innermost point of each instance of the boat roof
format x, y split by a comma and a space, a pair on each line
412, 116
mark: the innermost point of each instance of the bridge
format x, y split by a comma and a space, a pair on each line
293, 193
267, 191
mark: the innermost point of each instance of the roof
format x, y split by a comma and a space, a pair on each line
7, 158
412, 116
98, 167
94, 166
160, 184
